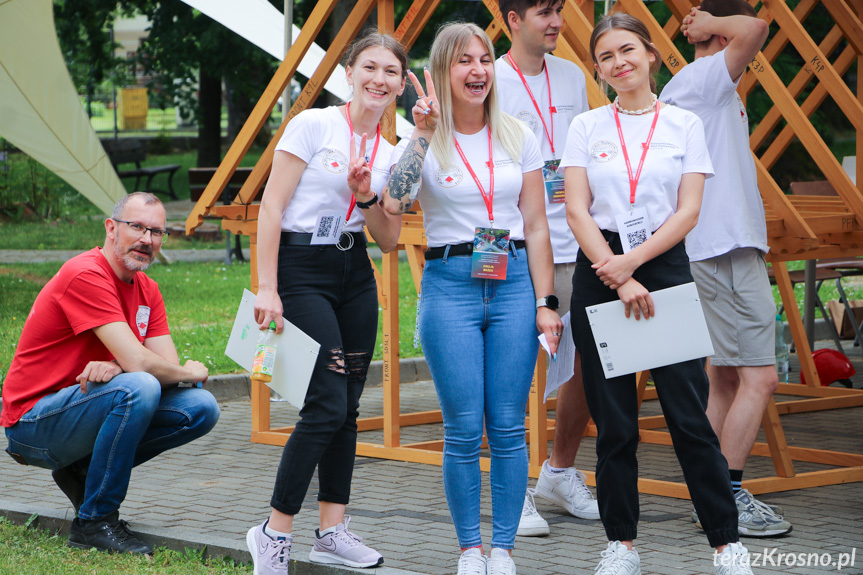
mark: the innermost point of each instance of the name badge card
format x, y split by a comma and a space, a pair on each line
490, 253
553, 182
634, 228
328, 228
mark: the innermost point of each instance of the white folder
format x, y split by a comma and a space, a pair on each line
678, 332
295, 356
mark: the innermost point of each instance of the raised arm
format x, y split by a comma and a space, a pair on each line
401, 190
744, 35
384, 227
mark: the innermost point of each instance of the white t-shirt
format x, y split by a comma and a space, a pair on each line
732, 213
569, 97
452, 204
677, 148
320, 137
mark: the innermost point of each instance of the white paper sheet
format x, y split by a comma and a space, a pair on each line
295, 358
561, 370
678, 332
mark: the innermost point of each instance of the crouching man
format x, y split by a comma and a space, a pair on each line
93, 387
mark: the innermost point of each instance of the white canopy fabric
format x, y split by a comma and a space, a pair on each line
263, 25
40, 112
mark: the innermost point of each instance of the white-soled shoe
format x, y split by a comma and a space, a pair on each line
568, 490
472, 562
734, 560
500, 563
618, 560
531, 523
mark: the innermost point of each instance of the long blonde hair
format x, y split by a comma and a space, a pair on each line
451, 42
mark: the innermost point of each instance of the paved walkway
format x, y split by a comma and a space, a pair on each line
209, 493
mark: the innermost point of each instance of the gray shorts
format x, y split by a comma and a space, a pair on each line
563, 285
738, 305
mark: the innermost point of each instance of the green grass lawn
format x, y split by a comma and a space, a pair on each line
201, 299
39, 552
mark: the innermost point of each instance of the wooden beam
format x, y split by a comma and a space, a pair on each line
795, 324
414, 21
800, 81
391, 379
776, 199
845, 17
775, 436
817, 61
810, 138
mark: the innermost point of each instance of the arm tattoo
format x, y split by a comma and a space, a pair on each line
408, 173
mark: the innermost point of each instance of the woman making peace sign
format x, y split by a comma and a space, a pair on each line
488, 279
314, 269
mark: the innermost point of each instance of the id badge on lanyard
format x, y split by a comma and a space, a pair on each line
490, 254
553, 180
634, 225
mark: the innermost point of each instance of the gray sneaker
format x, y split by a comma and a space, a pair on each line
341, 547
269, 556
755, 519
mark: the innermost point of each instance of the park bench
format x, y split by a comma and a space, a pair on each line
133, 151
198, 180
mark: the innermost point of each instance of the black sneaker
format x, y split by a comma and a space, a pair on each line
107, 534
71, 481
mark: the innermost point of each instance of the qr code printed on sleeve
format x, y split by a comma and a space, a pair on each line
636, 238
326, 227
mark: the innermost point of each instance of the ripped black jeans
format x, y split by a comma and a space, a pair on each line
331, 296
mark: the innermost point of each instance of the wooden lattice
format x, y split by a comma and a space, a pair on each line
799, 227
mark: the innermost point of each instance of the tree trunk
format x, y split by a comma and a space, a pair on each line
209, 125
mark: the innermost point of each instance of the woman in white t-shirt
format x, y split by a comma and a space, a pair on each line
635, 172
478, 175
314, 269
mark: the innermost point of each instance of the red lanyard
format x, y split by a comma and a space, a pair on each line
487, 198
551, 109
371, 162
633, 182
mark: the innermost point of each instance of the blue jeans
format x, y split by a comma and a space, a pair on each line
116, 425
480, 341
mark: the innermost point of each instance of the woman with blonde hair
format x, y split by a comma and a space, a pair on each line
487, 284
635, 172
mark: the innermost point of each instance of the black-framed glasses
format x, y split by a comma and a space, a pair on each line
140, 229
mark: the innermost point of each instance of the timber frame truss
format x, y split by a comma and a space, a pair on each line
799, 227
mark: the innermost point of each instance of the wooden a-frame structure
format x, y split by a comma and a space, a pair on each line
799, 227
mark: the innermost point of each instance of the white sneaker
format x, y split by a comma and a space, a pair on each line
531, 523
734, 560
618, 560
568, 490
500, 563
472, 562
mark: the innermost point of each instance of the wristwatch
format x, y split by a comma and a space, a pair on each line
549, 301
368, 204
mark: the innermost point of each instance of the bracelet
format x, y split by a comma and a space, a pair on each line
368, 204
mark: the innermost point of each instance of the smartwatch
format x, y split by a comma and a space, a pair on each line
368, 204
549, 301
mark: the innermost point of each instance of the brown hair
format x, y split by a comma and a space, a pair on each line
520, 7
375, 38
630, 24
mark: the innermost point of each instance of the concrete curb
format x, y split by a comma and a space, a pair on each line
238, 385
55, 522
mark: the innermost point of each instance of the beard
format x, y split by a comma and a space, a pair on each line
133, 261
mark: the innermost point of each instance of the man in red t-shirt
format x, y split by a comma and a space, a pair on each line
93, 388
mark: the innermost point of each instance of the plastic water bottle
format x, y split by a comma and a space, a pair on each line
782, 365
265, 355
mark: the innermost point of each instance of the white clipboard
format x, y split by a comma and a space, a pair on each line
678, 332
295, 358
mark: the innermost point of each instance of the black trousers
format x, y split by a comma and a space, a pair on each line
682, 389
331, 296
